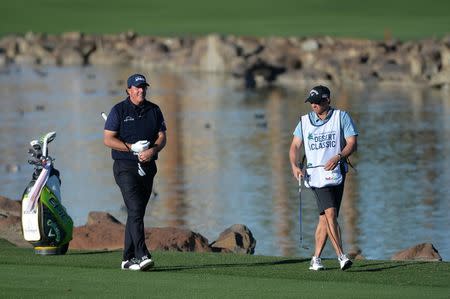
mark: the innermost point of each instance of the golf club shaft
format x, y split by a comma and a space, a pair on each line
300, 209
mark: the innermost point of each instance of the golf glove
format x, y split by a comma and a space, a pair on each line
140, 146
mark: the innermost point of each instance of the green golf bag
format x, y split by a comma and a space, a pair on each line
45, 222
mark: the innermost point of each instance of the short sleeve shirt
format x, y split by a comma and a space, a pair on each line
348, 127
134, 123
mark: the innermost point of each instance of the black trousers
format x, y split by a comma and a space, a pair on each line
136, 191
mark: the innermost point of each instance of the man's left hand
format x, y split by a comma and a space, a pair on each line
147, 155
332, 163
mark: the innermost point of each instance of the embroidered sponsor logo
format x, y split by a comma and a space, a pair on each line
313, 92
128, 118
137, 79
50, 233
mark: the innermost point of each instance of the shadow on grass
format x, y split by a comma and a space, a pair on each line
210, 266
377, 267
90, 252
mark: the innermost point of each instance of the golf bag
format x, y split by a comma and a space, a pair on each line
45, 222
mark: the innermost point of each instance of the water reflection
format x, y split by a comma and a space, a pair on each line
226, 157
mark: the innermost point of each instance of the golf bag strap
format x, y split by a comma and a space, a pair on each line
302, 163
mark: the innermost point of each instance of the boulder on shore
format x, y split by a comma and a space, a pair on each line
419, 252
10, 224
237, 239
104, 232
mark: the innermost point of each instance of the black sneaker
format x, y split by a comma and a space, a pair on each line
146, 263
132, 264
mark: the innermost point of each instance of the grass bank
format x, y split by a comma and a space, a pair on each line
402, 19
195, 275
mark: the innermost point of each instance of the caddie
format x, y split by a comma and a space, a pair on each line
329, 137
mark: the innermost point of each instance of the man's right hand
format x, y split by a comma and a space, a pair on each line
140, 146
297, 172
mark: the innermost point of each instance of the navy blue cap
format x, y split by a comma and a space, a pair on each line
136, 80
318, 94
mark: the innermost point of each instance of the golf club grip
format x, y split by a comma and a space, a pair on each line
105, 117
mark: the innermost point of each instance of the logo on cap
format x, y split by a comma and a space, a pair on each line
313, 92
136, 80
318, 94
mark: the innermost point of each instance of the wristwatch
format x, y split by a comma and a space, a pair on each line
340, 156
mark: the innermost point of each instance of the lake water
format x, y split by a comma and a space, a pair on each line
226, 159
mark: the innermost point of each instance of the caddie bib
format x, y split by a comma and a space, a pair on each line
322, 142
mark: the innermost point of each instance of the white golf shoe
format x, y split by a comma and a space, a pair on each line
146, 263
130, 265
316, 264
344, 262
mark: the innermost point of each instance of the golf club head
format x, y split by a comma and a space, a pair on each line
103, 114
49, 137
35, 144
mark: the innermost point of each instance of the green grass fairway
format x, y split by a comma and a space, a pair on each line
194, 275
352, 18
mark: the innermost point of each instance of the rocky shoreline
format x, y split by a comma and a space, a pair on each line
254, 62
104, 232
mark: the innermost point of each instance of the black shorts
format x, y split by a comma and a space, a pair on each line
329, 197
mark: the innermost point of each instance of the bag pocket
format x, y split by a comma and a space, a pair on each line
318, 177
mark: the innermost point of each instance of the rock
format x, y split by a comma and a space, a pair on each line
237, 239
25, 59
420, 252
355, 254
38, 50
416, 64
248, 46
10, 224
10, 207
3, 59
153, 55
213, 54
70, 56
10, 46
440, 79
108, 56
175, 239
310, 45
394, 72
72, 36
445, 57
95, 218
49, 59
104, 232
